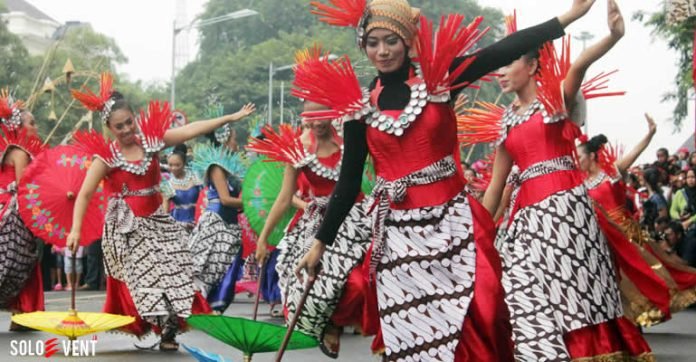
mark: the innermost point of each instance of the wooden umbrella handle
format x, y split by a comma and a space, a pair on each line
258, 288
293, 322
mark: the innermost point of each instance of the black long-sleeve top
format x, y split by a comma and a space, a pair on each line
395, 96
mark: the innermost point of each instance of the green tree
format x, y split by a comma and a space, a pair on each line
91, 53
680, 38
235, 55
15, 63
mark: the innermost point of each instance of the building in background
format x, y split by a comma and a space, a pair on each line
34, 27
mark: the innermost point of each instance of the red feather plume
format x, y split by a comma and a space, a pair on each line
553, 68
283, 146
7, 110
94, 143
607, 157
480, 125
155, 122
511, 23
92, 101
436, 53
19, 138
593, 87
340, 12
330, 83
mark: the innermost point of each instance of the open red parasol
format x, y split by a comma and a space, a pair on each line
47, 194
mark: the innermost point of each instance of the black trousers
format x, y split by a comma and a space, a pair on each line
94, 268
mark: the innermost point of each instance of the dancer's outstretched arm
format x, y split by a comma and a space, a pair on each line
577, 71
280, 206
199, 128
512, 47
625, 162
96, 172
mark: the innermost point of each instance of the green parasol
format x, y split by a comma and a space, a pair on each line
261, 186
249, 336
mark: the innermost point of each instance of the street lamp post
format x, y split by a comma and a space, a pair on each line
271, 72
202, 23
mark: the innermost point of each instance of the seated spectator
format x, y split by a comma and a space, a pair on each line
675, 240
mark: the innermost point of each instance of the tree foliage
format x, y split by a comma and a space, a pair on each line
15, 62
680, 38
234, 56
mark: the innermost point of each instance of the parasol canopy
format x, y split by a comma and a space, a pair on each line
249, 336
203, 356
261, 186
47, 194
71, 324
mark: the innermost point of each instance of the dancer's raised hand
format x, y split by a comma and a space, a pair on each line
652, 127
246, 110
615, 19
577, 10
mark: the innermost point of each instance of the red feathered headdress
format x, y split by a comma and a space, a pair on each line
283, 146
436, 52
511, 23
330, 83
101, 102
10, 112
154, 124
607, 157
13, 137
553, 69
93, 143
341, 12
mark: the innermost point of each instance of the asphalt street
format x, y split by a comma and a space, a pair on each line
674, 341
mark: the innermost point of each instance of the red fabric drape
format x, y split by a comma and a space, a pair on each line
635, 267
486, 334
612, 337
31, 297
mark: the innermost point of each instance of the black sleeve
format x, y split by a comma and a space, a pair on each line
348, 186
508, 50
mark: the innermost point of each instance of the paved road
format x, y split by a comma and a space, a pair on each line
673, 341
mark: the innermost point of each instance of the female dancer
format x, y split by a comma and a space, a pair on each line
647, 305
217, 239
21, 286
336, 298
148, 266
643, 283
437, 273
558, 270
181, 189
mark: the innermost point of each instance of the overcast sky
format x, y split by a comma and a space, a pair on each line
143, 30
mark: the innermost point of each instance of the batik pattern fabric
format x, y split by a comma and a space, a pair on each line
559, 275
148, 254
18, 253
425, 280
214, 245
338, 261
